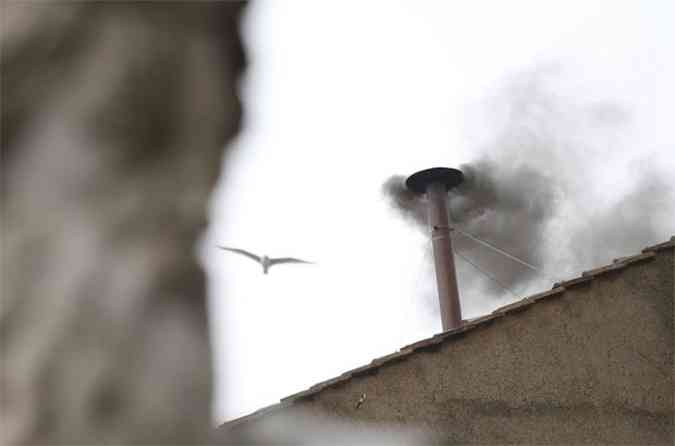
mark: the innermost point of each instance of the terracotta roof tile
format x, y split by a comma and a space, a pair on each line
649, 255
661, 246
646, 255
485, 320
573, 282
604, 269
444, 334
423, 344
520, 305
555, 292
367, 369
299, 395
393, 357
330, 382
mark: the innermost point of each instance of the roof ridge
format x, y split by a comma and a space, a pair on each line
434, 342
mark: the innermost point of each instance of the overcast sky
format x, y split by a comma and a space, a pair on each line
339, 95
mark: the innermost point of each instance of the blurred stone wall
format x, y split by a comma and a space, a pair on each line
114, 120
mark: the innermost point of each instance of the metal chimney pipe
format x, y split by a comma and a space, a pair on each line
435, 183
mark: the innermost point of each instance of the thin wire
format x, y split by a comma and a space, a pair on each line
502, 252
489, 276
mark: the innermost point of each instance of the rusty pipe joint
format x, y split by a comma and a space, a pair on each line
434, 184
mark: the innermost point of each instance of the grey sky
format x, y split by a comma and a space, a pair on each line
341, 95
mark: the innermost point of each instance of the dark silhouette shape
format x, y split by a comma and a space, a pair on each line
265, 261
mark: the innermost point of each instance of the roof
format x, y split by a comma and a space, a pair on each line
432, 343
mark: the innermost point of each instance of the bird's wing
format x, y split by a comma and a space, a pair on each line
287, 260
242, 252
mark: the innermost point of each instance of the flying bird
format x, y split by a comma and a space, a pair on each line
265, 261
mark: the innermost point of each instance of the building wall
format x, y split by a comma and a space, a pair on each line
591, 364
114, 120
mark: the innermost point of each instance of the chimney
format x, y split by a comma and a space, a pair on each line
435, 183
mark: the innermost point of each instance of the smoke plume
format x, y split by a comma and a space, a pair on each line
555, 184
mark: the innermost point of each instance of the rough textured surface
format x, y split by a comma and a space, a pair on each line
590, 361
114, 119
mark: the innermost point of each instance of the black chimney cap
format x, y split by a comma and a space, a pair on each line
419, 181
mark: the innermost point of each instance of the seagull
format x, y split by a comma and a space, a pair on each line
265, 261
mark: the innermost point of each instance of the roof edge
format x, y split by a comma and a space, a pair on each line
559, 288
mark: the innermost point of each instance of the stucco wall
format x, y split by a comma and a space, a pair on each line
591, 364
